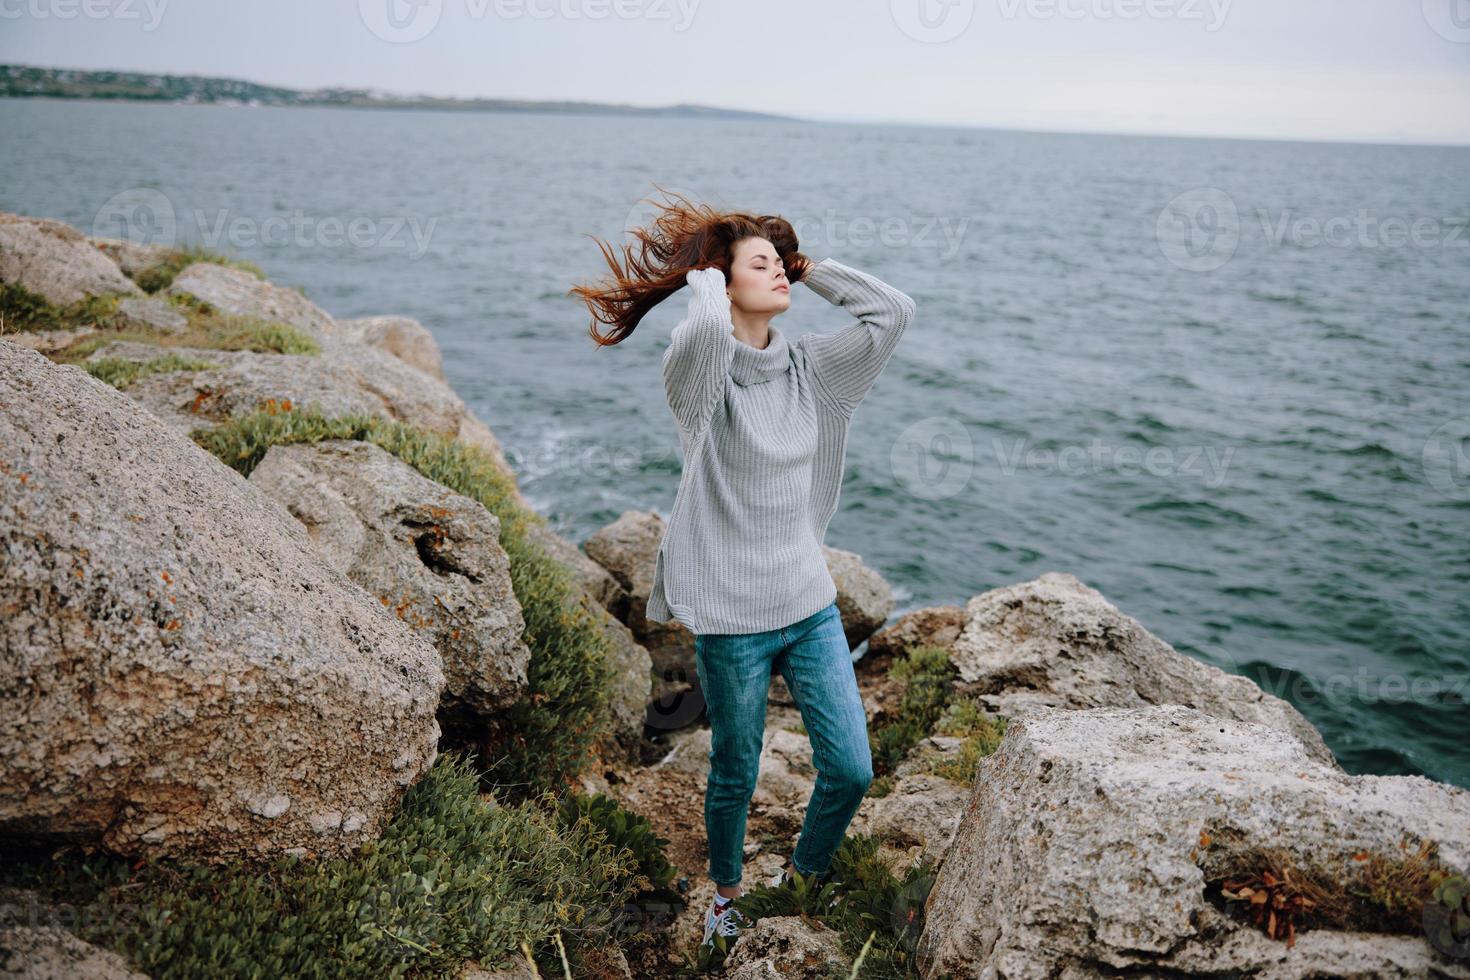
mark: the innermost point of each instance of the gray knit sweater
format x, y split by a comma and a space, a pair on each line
763, 434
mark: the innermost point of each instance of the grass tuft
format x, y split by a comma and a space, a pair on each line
121, 372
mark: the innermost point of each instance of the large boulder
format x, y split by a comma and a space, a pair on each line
182, 672
55, 261
1091, 836
346, 377
403, 337
233, 290
133, 258
864, 596
627, 548
1055, 642
430, 555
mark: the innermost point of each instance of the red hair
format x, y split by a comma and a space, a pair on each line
684, 236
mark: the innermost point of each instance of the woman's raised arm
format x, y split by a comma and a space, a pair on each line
700, 350
846, 362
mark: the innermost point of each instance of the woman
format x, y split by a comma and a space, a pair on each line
763, 425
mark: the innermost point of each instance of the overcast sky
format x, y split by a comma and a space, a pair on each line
1373, 70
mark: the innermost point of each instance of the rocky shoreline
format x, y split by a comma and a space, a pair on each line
261, 567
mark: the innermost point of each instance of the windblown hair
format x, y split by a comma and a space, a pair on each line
684, 236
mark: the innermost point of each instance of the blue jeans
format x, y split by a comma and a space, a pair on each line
735, 673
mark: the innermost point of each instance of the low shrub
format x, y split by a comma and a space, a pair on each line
453, 877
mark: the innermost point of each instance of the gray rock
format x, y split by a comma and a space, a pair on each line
922, 811
428, 554
54, 260
786, 947
937, 626
1089, 836
591, 577
49, 953
133, 258
631, 685
345, 377
403, 337
176, 652
48, 341
864, 597
1055, 642
627, 548
151, 313
236, 291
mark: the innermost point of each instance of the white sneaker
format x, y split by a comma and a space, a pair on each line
726, 923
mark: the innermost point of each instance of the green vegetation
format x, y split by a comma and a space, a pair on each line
212, 331
981, 732
21, 309
927, 675
162, 275
546, 739
453, 877
878, 915
207, 327
120, 372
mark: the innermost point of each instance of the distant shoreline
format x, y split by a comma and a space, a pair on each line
63, 84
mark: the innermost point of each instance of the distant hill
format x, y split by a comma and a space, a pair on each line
24, 81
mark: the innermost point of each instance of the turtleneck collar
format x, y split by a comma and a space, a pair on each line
751, 366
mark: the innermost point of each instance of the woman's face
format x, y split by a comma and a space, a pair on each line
758, 279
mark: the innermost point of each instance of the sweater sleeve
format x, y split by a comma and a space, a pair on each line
700, 350
847, 361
